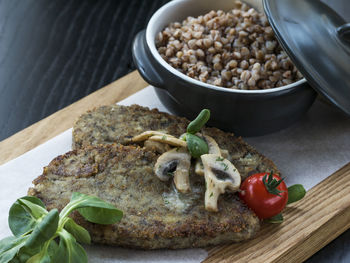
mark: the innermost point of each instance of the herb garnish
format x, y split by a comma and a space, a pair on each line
196, 145
197, 124
36, 231
219, 159
224, 165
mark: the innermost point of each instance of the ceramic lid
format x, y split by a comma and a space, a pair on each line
317, 39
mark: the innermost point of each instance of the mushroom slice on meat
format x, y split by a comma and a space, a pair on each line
175, 162
156, 146
198, 167
145, 135
213, 149
168, 140
225, 153
220, 174
212, 145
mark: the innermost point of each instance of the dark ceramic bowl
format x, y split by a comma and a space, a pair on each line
244, 112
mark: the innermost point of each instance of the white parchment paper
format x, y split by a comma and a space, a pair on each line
306, 153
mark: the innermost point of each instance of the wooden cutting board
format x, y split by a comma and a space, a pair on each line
309, 225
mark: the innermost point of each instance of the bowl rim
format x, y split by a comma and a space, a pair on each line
150, 40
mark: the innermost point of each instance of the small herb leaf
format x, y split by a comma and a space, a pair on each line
69, 251
10, 246
196, 146
46, 253
25, 253
35, 209
79, 233
42, 257
277, 219
43, 231
92, 209
295, 193
36, 230
197, 124
20, 219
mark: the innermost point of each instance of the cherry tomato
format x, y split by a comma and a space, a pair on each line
265, 194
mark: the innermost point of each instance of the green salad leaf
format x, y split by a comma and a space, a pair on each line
69, 250
46, 254
93, 209
79, 233
20, 218
44, 230
36, 230
36, 210
10, 246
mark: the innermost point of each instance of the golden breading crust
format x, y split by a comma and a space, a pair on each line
155, 214
117, 124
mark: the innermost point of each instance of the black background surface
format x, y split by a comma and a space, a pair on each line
54, 52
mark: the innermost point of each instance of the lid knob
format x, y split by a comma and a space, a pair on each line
344, 32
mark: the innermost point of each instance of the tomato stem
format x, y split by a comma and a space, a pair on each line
271, 184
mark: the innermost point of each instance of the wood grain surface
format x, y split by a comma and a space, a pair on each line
309, 225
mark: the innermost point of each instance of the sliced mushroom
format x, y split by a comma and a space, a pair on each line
198, 167
213, 149
175, 162
220, 174
212, 145
168, 140
156, 146
224, 153
145, 135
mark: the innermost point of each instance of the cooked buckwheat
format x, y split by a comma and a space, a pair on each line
235, 49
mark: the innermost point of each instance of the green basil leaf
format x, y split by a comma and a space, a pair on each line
79, 233
69, 251
10, 246
196, 146
93, 209
20, 219
35, 209
197, 124
44, 230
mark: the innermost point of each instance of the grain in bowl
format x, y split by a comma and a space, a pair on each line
235, 49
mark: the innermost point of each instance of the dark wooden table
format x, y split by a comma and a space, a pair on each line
53, 53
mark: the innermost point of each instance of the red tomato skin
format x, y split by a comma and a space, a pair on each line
257, 198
